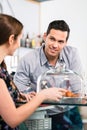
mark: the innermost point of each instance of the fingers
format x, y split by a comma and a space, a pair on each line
62, 89
32, 93
60, 92
28, 96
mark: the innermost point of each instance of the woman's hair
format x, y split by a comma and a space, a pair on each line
8, 26
3, 65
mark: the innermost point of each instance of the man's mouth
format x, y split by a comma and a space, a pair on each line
53, 50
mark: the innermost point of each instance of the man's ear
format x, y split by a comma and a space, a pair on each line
11, 39
44, 36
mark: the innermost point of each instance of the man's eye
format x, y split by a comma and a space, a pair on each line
61, 42
52, 39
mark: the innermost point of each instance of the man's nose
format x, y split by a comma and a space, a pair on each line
56, 44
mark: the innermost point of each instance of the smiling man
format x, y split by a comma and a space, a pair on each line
53, 51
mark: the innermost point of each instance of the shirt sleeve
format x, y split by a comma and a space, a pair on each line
21, 77
73, 60
76, 63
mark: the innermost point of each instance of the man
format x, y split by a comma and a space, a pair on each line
37, 61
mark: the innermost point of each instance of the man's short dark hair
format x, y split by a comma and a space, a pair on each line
59, 25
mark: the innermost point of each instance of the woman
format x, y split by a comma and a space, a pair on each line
10, 115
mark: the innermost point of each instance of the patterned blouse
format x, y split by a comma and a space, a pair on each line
14, 94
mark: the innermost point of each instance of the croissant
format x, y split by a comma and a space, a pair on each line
71, 94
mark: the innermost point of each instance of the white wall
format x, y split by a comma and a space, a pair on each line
74, 13
27, 12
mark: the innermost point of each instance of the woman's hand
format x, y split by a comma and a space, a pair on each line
28, 96
53, 93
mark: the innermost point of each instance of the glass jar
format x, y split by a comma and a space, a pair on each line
61, 78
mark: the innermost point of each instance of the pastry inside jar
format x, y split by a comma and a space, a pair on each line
71, 94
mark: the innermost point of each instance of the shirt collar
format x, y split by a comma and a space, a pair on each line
43, 58
61, 56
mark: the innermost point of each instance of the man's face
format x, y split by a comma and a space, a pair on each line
55, 41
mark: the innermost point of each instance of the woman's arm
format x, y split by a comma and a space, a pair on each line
14, 116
